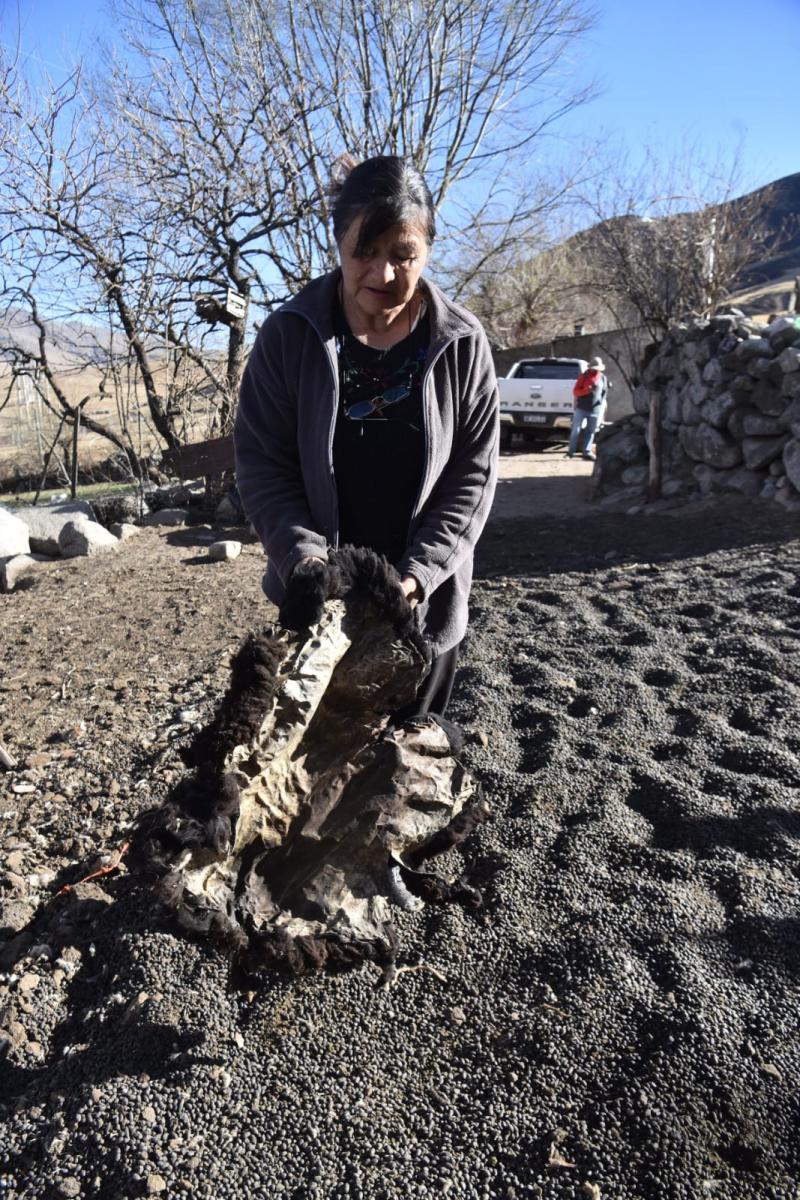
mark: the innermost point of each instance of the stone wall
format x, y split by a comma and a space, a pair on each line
727, 415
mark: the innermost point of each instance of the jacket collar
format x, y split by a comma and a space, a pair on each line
315, 303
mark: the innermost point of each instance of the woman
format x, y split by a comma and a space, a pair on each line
368, 415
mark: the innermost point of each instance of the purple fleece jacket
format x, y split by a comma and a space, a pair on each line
284, 450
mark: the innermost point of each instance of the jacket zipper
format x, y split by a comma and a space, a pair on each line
334, 366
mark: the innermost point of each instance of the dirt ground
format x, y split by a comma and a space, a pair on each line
621, 1020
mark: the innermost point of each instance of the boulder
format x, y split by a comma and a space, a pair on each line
767, 398
769, 490
712, 372
777, 468
737, 419
718, 409
708, 445
706, 478
790, 386
690, 413
13, 534
756, 424
166, 516
635, 476
21, 566
759, 368
224, 551
790, 418
124, 531
751, 347
80, 539
789, 360
641, 399
782, 333
759, 452
228, 512
742, 385
791, 460
46, 521
628, 447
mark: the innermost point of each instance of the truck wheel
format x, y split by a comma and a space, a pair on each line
506, 437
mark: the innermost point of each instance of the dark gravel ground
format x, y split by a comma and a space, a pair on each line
620, 1021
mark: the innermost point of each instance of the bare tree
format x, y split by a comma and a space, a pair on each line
670, 241
183, 194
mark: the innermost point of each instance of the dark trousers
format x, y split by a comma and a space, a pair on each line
433, 694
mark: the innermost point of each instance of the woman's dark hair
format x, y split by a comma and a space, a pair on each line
383, 191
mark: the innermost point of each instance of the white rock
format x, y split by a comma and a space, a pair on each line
124, 531
46, 521
166, 516
80, 539
224, 551
21, 566
13, 534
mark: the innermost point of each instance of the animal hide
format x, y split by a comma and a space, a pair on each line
309, 813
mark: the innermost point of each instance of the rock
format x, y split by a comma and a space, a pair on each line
706, 478
742, 385
756, 424
673, 487
776, 467
789, 361
708, 445
124, 531
791, 461
760, 368
635, 475
156, 1184
21, 566
768, 490
46, 521
13, 534
751, 347
224, 551
641, 399
690, 413
79, 539
718, 409
783, 332
626, 446
166, 516
70, 1186
790, 386
742, 480
712, 372
758, 452
28, 982
790, 418
149, 1114
767, 398
228, 512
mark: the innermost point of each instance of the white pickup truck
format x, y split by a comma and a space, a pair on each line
536, 398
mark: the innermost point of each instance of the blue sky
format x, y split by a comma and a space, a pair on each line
721, 74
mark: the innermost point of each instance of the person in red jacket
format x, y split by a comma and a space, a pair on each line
589, 398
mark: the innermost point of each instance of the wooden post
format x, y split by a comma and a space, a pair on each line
76, 428
654, 440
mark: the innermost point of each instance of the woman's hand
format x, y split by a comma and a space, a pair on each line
411, 590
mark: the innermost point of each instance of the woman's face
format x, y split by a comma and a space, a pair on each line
382, 281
